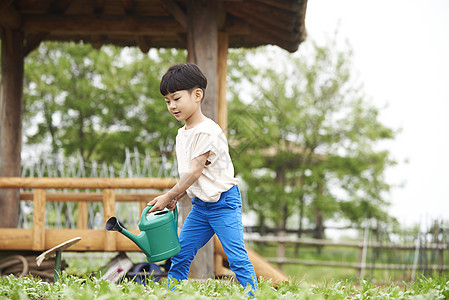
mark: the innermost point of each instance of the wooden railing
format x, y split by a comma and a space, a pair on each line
361, 264
39, 238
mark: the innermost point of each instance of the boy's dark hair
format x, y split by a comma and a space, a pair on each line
183, 77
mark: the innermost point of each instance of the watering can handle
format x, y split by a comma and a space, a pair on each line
176, 216
143, 218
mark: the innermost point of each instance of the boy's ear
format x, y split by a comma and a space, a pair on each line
198, 94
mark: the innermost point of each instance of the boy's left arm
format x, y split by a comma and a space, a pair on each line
196, 168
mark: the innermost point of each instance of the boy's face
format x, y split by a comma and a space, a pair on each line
183, 104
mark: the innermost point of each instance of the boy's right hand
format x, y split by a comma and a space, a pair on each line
159, 203
172, 204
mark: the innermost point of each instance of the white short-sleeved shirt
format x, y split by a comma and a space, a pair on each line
218, 176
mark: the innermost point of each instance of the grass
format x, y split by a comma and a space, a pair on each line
309, 282
74, 287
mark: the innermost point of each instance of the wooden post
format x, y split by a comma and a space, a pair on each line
110, 241
202, 49
11, 120
364, 250
83, 214
281, 249
142, 205
222, 69
440, 259
39, 220
359, 260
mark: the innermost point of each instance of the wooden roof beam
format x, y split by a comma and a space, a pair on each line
263, 26
172, 8
73, 24
129, 6
284, 4
235, 26
281, 19
221, 16
9, 16
4, 4
25, 3
33, 41
96, 41
98, 6
59, 6
143, 43
273, 39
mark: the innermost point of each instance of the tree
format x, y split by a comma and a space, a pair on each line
95, 103
306, 137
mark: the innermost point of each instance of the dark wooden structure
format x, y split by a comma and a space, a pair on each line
206, 28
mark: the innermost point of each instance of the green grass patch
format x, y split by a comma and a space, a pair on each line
73, 287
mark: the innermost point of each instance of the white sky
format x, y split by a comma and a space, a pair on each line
401, 52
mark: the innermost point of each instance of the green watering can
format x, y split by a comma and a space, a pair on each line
158, 237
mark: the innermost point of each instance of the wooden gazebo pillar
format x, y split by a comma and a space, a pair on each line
207, 48
11, 106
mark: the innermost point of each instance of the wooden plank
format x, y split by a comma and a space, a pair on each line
109, 211
59, 6
101, 24
87, 183
172, 8
24, 3
283, 4
16, 239
318, 242
91, 240
98, 6
83, 215
39, 220
90, 197
308, 242
284, 20
129, 6
265, 25
336, 264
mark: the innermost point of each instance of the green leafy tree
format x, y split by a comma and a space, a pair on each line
306, 137
96, 103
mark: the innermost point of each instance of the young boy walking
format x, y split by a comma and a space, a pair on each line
206, 175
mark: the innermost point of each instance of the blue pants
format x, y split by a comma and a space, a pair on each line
223, 218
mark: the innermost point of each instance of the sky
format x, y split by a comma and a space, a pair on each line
401, 55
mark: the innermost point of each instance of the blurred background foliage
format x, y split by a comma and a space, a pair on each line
303, 136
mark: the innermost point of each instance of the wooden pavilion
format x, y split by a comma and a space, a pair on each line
206, 28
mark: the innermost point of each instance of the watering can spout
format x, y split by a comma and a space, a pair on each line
113, 224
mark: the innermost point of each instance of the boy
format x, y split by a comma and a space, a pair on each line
206, 175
